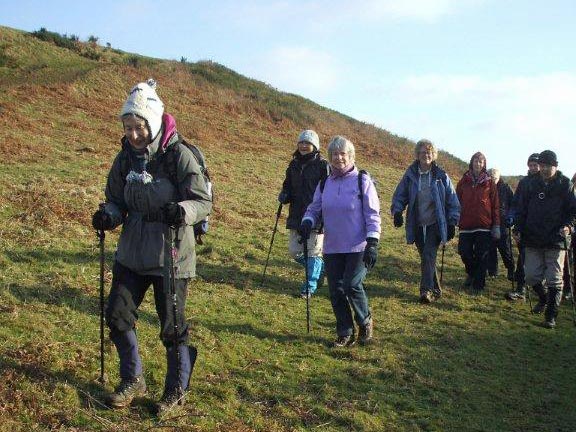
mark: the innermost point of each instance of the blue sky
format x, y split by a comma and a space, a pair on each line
497, 76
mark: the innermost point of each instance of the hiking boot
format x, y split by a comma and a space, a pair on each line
170, 399
426, 298
515, 296
539, 308
366, 332
305, 295
344, 341
550, 323
127, 390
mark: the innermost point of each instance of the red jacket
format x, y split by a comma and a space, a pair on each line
479, 202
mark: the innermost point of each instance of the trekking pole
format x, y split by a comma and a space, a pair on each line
101, 236
511, 252
172, 284
568, 248
442, 262
193, 351
271, 242
305, 244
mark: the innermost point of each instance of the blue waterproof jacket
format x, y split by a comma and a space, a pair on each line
443, 193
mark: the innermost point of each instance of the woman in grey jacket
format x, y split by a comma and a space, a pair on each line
151, 204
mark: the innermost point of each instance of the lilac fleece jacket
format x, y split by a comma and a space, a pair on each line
346, 224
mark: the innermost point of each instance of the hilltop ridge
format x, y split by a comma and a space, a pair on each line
210, 101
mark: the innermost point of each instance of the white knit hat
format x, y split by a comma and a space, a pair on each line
144, 102
311, 137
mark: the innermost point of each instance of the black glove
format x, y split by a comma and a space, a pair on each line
398, 219
451, 232
173, 214
283, 198
102, 221
370, 252
509, 221
305, 229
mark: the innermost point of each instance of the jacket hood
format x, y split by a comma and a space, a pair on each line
169, 127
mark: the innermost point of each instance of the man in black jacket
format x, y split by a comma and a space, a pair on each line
533, 170
545, 220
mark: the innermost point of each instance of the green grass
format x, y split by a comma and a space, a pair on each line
466, 363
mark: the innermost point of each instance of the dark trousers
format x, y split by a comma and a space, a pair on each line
345, 273
473, 249
519, 274
502, 246
127, 293
427, 245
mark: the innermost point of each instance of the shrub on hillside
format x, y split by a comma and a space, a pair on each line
56, 38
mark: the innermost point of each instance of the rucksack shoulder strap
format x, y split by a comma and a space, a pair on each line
361, 173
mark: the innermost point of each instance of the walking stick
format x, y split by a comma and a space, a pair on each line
101, 236
511, 253
305, 244
271, 243
172, 285
568, 248
442, 263
193, 352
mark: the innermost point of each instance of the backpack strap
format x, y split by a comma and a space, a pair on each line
361, 173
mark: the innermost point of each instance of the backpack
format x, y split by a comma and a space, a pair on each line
170, 160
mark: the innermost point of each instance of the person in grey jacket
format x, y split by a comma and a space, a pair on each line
152, 206
432, 215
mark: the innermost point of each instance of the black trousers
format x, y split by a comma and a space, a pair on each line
502, 246
127, 293
473, 249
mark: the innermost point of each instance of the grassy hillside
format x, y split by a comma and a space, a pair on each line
464, 364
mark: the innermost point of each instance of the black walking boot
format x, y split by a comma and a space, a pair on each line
127, 390
554, 298
542, 297
170, 399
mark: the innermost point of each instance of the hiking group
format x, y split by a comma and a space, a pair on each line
159, 191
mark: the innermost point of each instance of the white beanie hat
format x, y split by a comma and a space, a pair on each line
310, 136
144, 102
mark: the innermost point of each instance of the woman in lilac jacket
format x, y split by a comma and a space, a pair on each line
349, 206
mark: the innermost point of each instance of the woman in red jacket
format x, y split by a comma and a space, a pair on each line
479, 220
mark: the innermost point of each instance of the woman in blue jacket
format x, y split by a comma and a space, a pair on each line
432, 215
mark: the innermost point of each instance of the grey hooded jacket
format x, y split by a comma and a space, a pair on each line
135, 200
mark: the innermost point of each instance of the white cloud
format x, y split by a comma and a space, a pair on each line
425, 10
300, 70
328, 15
506, 116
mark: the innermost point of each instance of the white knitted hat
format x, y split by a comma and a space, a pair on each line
311, 137
144, 102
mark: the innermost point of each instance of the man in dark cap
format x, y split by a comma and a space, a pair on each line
533, 170
546, 216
